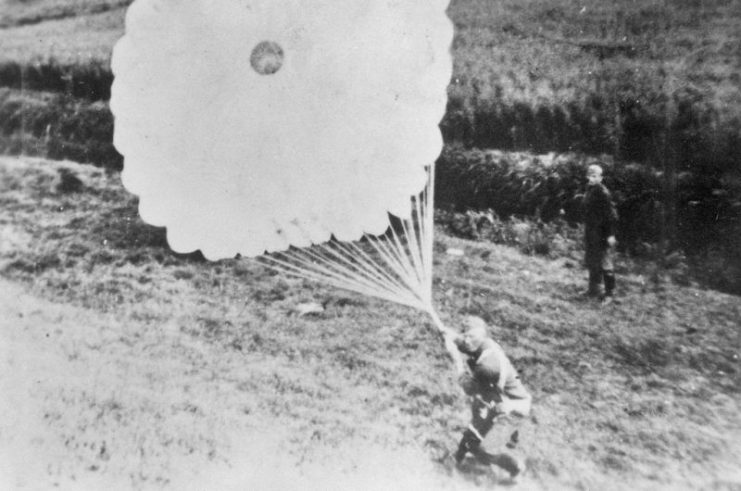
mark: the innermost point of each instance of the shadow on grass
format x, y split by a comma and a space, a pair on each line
122, 228
657, 355
648, 355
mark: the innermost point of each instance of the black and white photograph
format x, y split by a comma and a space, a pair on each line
340, 245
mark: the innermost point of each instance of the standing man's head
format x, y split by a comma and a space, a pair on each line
473, 336
594, 174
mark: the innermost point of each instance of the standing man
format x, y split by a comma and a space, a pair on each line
600, 220
495, 389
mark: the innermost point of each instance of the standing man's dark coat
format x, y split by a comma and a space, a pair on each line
600, 222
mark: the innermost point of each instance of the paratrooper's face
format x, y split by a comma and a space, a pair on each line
470, 341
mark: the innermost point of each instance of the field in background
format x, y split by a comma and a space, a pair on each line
599, 77
65, 31
602, 76
168, 366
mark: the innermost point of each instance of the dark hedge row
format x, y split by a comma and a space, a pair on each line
707, 227
58, 127
630, 127
521, 184
708, 207
90, 81
637, 124
708, 210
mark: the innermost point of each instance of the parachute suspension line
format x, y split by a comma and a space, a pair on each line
328, 266
294, 266
428, 225
352, 250
396, 266
396, 258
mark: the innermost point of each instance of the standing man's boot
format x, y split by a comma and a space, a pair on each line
595, 279
609, 285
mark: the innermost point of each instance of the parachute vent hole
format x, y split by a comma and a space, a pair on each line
266, 57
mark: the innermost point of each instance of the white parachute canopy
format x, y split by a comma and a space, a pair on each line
254, 126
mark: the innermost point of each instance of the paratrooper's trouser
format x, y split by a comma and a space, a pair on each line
483, 416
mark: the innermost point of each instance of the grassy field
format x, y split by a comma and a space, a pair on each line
551, 51
75, 39
128, 366
125, 366
601, 77
541, 52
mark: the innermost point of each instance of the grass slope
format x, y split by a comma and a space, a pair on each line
142, 368
79, 39
553, 50
28, 12
539, 51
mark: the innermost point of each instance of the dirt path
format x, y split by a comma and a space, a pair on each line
91, 402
